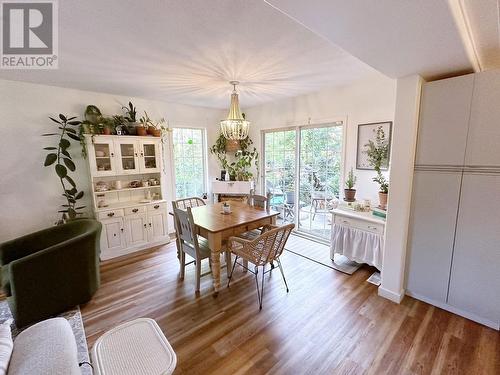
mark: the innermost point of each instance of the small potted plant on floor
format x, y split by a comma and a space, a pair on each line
350, 192
378, 157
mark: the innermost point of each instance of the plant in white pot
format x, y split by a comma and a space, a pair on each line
378, 157
350, 192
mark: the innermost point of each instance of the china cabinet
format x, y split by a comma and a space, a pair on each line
126, 178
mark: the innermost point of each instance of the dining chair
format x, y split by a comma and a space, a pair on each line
261, 202
190, 243
265, 249
183, 204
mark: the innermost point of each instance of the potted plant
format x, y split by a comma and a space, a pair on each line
108, 125
153, 128
350, 192
378, 157
131, 117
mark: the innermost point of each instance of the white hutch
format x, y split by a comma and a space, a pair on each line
126, 179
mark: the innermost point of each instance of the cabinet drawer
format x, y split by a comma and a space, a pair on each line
135, 210
110, 214
157, 207
360, 224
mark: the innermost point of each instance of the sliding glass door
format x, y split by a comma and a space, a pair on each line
303, 171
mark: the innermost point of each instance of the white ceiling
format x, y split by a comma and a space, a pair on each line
186, 51
396, 37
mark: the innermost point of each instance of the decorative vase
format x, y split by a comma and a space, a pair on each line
131, 128
382, 197
232, 145
141, 130
349, 195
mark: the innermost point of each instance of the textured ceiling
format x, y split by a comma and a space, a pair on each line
396, 37
186, 51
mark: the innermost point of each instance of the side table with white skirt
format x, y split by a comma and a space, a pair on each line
358, 235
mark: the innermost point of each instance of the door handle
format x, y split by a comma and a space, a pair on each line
135, 210
150, 225
145, 225
111, 214
156, 206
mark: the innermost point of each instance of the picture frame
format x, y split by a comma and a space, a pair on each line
367, 132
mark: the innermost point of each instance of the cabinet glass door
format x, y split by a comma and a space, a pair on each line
128, 157
150, 156
103, 155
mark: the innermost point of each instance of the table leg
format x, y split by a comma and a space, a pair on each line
215, 244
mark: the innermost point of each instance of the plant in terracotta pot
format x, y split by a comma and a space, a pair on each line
378, 157
350, 192
156, 129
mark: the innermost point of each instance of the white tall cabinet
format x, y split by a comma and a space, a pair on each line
454, 234
126, 179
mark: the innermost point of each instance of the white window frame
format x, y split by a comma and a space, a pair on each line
204, 153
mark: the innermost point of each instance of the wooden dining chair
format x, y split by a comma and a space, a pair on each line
183, 204
190, 243
265, 249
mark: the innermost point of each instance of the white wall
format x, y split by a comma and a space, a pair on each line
371, 100
30, 193
403, 145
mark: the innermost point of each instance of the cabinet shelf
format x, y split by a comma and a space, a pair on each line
127, 189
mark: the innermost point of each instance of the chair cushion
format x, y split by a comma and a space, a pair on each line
250, 235
5, 277
48, 347
6, 346
204, 249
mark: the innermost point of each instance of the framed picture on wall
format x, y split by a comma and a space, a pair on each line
366, 133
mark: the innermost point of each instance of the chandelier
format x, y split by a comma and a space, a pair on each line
235, 127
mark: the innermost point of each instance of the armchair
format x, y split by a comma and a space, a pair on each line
49, 271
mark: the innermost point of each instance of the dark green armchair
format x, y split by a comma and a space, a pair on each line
47, 272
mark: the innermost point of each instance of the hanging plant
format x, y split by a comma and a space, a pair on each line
64, 164
244, 158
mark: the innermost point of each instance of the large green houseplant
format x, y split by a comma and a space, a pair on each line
238, 164
61, 157
378, 157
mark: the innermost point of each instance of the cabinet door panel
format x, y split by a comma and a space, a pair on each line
101, 156
475, 275
150, 155
136, 229
484, 130
111, 238
158, 226
127, 155
431, 233
444, 118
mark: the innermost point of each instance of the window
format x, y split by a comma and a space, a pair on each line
189, 162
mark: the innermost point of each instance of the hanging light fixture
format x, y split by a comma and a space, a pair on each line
235, 127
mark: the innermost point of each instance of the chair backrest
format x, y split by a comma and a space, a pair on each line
261, 201
269, 245
188, 202
186, 229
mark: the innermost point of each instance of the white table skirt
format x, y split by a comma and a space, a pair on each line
357, 245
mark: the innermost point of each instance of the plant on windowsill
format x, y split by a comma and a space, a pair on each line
350, 192
64, 163
378, 157
244, 158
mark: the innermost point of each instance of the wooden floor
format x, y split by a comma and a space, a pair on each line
329, 323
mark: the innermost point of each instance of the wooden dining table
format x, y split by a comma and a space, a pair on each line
217, 227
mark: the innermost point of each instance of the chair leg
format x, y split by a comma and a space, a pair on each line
232, 270
183, 264
256, 274
262, 286
282, 274
228, 261
198, 275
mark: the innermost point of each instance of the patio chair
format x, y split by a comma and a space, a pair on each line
264, 249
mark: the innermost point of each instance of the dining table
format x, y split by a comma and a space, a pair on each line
216, 226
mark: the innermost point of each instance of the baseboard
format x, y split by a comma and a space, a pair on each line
454, 310
390, 295
105, 255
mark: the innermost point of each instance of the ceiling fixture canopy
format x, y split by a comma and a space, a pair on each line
235, 127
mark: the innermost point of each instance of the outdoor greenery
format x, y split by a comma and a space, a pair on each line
64, 164
239, 164
189, 162
320, 162
351, 180
378, 157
